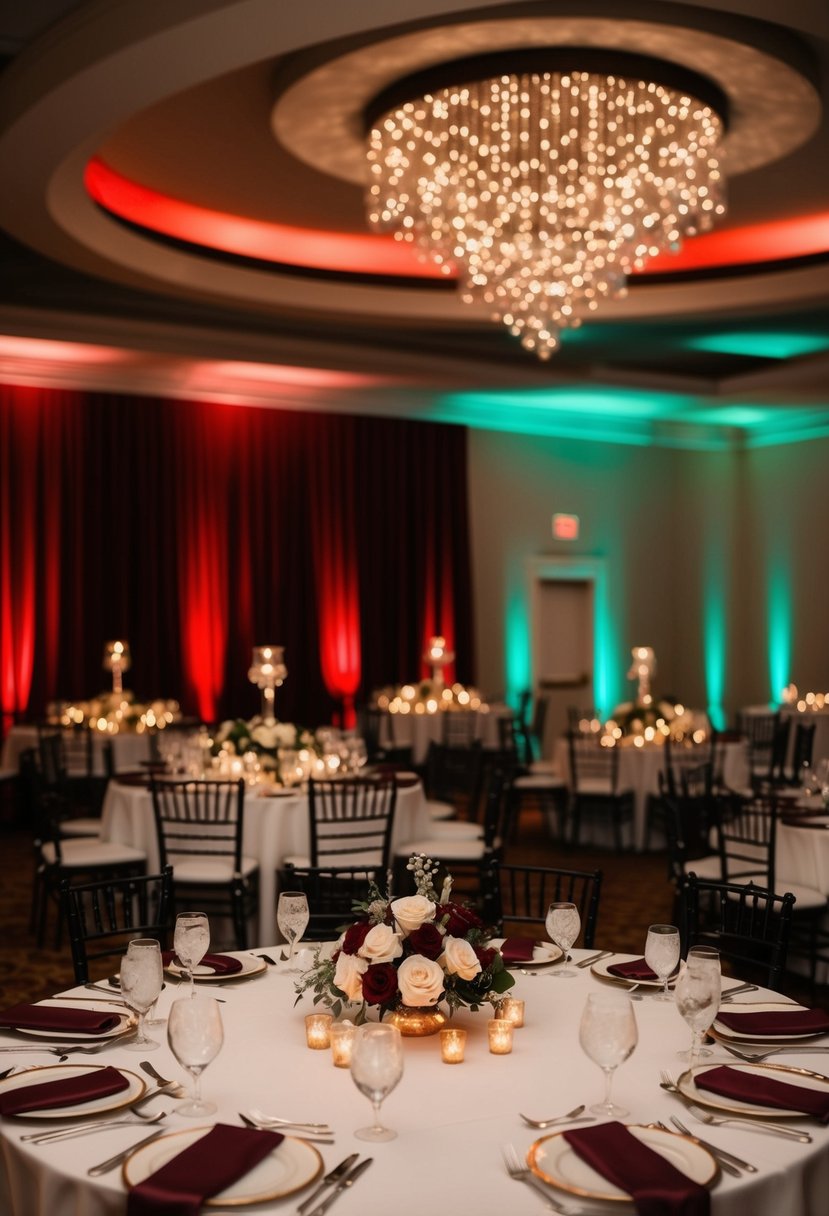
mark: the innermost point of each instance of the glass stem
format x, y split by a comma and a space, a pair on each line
608, 1084
292, 948
696, 1044
196, 1075
141, 1035
378, 1126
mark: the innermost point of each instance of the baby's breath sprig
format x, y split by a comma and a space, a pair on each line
423, 869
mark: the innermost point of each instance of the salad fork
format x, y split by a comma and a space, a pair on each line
758, 1124
757, 1057
520, 1173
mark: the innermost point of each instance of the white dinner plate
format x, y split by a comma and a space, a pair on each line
725, 1033
252, 964
555, 1161
543, 954
60, 1072
600, 969
126, 1022
780, 1072
289, 1168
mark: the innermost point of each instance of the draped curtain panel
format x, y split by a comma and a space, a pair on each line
195, 530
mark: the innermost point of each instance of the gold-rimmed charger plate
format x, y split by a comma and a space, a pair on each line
59, 1072
294, 1164
732, 1106
557, 1163
544, 954
726, 1035
126, 1024
252, 965
600, 970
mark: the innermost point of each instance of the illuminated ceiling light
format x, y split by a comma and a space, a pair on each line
544, 186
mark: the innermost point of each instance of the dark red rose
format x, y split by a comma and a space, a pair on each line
379, 984
486, 956
355, 935
461, 919
427, 940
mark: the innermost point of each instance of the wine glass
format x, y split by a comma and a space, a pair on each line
141, 979
190, 942
195, 1035
376, 1067
563, 925
292, 916
662, 954
608, 1035
697, 996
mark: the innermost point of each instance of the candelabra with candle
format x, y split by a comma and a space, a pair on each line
642, 669
268, 671
117, 660
438, 657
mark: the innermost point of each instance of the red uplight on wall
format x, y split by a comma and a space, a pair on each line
566, 527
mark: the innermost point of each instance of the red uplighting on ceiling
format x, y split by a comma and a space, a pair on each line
363, 254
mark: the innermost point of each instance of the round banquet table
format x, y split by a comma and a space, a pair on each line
274, 828
417, 731
452, 1121
128, 749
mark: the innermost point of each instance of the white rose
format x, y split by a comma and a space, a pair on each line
348, 975
284, 734
459, 958
420, 980
264, 735
413, 911
381, 945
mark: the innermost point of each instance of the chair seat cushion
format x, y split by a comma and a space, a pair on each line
208, 869
545, 768
86, 826
439, 810
456, 829
806, 899
86, 852
371, 860
538, 781
601, 787
441, 849
705, 867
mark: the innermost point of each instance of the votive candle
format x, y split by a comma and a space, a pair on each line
318, 1030
452, 1045
342, 1042
512, 1009
500, 1036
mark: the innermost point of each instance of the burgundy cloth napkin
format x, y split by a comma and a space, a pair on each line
518, 950
207, 1167
764, 1091
71, 1091
58, 1018
221, 964
637, 969
776, 1022
656, 1187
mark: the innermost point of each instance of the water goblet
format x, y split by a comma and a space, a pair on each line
697, 997
195, 1035
141, 979
662, 955
563, 925
376, 1067
191, 940
292, 916
608, 1035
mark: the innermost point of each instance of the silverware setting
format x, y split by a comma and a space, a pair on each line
521, 1173
69, 1133
755, 1123
299, 1131
343, 1184
96, 1171
330, 1178
571, 1117
595, 958
727, 1161
174, 1088
757, 1057
730, 993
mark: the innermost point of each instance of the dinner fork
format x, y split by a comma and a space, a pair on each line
757, 1124
520, 1173
757, 1057
69, 1133
727, 1161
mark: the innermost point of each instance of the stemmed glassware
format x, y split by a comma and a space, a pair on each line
563, 925
190, 942
141, 980
662, 955
608, 1035
195, 1035
292, 916
376, 1067
697, 996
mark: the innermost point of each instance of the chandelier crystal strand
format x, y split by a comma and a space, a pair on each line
544, 190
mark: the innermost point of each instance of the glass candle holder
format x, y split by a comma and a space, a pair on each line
500, 1036
318, 1031
512, 1010
342, 1042
452, 1045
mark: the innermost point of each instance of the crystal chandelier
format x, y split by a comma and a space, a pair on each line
545, 188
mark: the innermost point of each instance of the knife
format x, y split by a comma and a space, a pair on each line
111, 1162
330, 1178
343, 1185
594, 958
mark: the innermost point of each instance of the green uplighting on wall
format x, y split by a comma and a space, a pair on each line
714, 636
605, 652
759, 344
779, 626
518, 674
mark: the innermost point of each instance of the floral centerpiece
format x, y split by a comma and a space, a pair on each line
113, 712
235, 737
409, 954
429, 697
656, 720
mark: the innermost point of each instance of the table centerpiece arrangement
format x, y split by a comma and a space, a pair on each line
113, 713
405, 956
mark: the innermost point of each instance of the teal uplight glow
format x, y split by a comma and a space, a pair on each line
605, 652
779, 626
759, 344
518, 673
714, 637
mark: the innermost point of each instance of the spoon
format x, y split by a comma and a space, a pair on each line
571, 1117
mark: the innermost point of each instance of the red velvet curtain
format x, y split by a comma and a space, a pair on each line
195, 531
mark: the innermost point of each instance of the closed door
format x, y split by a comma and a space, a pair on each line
563, 650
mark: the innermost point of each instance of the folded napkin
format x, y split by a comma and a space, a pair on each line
637, 969
207, 1167
656, 1187
518, 950
775, 1022
764, 1091
58, 1018
221, 964
71, 1091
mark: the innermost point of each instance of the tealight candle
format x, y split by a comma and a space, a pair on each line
500, 1036
318, 1030
512, 1009
342, 1042
452, 1044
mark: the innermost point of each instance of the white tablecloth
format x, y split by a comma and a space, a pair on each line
128, 749
451, 1120
417, 731
274, 828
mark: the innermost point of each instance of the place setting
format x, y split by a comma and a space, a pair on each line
190, 960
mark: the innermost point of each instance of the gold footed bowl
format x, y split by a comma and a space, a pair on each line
417, 1023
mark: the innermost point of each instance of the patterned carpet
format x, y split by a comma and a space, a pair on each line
635, 894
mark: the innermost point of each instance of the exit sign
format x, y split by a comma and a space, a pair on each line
566, 527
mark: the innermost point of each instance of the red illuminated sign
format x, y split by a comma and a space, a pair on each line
566, 527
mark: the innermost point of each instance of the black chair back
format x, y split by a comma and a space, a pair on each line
522, 895
103, 917
332, 892
351, 821
198, 819
747, 924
